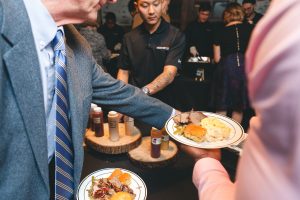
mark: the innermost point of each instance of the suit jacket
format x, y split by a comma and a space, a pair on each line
23, 142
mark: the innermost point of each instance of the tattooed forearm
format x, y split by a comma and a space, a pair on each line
161, 81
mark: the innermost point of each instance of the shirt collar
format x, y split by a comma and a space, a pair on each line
43, 26
162, 27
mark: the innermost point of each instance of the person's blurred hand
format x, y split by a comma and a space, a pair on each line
197, 153
118, 46
194, 51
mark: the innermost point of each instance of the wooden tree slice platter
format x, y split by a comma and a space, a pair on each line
141, 155
105, 145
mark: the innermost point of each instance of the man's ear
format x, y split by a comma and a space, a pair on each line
136, 6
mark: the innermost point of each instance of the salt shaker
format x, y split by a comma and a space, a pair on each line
129, 125
113, 126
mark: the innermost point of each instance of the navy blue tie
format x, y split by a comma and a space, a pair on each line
64, 172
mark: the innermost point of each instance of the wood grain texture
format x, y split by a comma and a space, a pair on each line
141, 156
105, 145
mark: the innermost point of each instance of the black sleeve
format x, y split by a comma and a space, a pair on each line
176, 51
250, 28
121, 33
217, 36
124, 60
188, 35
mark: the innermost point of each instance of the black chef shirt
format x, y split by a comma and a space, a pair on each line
200, 35
145, 54
112, 36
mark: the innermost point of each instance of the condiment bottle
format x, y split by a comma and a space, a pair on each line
199, 74
155, 142
90, 122
98, 122
129, 125
165, 140
113, 126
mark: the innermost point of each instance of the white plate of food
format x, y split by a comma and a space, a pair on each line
103, 181
206, 130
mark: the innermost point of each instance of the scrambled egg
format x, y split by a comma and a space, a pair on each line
216, 129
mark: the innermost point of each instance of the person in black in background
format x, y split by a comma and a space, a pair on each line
251, 16
112, 32
229, 83
199, 34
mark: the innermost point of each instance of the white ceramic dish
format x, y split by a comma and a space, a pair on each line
236, 134
137, 184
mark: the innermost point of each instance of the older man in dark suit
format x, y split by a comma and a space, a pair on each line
46, 88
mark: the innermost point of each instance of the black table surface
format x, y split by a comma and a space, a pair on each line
173, 182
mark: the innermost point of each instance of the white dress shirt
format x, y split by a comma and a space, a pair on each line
44, 29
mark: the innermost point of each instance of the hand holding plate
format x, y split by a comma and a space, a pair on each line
197, 153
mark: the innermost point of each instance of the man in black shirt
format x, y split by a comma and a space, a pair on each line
112, 32
251, 16
199, 34
151, 53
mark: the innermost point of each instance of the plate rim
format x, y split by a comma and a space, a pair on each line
112, 168
206, 147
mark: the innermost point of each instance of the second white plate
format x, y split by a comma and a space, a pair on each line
236, 134
137, 184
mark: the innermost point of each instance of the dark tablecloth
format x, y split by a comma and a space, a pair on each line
190, 94
173, 182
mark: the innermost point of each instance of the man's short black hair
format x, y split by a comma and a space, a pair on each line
204, 6
249, 1
131, 6
110, 16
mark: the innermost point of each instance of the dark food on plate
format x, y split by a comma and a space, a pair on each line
106, 188
189, 117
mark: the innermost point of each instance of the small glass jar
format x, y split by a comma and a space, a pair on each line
129, 125
164, 140
199, 75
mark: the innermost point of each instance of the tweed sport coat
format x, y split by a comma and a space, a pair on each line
23, 142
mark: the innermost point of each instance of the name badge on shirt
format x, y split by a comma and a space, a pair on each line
163, 48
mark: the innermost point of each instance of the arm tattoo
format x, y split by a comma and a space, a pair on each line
161, 81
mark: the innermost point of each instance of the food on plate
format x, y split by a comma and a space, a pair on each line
195, 132
122, 196
216, 129
115, 174
106, 188
198, 127
125, 178
189, 117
